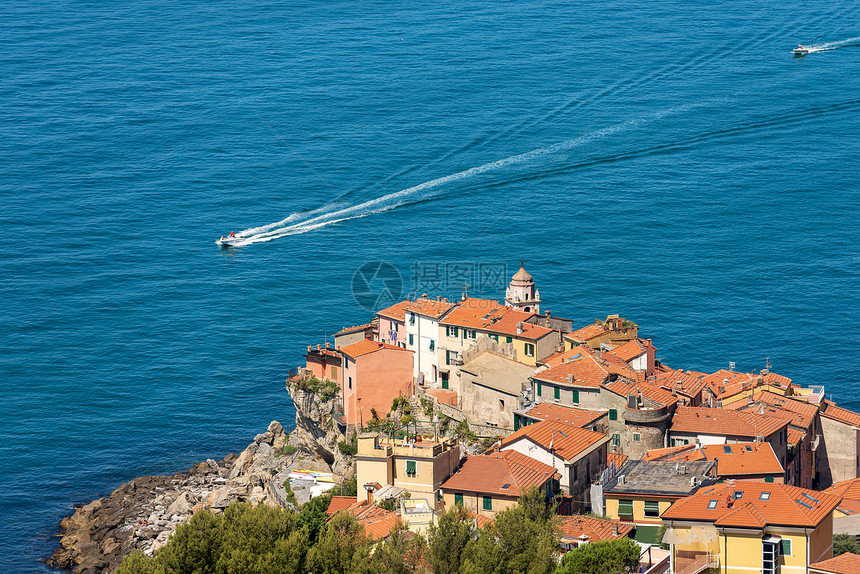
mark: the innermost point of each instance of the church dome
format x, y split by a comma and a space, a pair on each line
522, 275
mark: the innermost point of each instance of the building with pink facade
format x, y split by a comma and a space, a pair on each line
373, 375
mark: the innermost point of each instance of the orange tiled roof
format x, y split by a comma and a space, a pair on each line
630, 350
736, 382
339, 503
722, 422
396, 311
588, 332
506, 473
846, 563
656, 394
379, 526
587, 369
794, 436
544, 433
846, 489
560, 413
784, 505
840, 414
346, 330
596, 529
743, 458
366, 346
429, 307
491, 316
616, 457
849, 506
800, 413
691, 382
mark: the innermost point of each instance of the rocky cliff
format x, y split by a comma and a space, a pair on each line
143, 513
317, 433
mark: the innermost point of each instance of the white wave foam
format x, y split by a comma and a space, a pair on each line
433, 187
833, 45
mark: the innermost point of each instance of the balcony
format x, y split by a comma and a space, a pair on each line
702, 563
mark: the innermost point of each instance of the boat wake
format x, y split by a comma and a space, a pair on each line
333, 213
849, 43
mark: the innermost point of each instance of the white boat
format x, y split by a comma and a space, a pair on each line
800, 50
229, 241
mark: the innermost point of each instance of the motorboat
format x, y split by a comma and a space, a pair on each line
801, 50
231, 240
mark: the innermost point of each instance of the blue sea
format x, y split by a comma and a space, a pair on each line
667, 161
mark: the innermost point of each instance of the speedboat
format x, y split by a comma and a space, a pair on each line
801, 50
229, 241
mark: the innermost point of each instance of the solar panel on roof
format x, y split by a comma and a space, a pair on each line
727, 449
810, 497
804, 504
749, 448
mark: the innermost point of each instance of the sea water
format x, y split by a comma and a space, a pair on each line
667, 161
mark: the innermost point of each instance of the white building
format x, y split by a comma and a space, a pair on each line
422, 335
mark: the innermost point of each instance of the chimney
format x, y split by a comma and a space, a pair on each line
547, 313
570, 379
327, 345
438, 298
520, 328
614, 529
309, 348
444, 299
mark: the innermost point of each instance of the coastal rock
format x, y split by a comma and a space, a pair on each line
141, 514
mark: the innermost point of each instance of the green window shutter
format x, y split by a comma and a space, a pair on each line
509, 339
652, 509
410, 339
539, 390
410, 468
494, 338
575, 397
517, 424
432, 345
447, 357
613, 415
785, 547
488, 503
458, 499
454, 331
768, 479
625, 508
445, 384
556, 393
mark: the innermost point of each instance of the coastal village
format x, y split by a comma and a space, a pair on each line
438, 403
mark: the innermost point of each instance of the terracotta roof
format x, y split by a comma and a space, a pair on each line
346, 330
841, 415
596, 529
396, 311
546, 433
588, 332
586, 368
849, 506
846, 489
656, 394
429, 307
691, 382
366, 346
378, 525
736, 382
339, 503
506, 473
630, 350
800, 413
794, 436
783, 505
722, 422
492, 317
568, 415
847, 563
616, 457
743, 458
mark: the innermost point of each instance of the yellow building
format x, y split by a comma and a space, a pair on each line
419, 468
750, 527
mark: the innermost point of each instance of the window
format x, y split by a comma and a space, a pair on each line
411, 468
539, 390
637, 437
432, 345
785, 547
350, 382
616, 439
769, 556
488, 503
458, 499
530, 350
472, 334
613, 415
764, 496
517, 423
575, 398
494, 338
411, 340
652, 509
625, 508
394, 326
445, 384
452, 331
712, 504
509, 339
501, 405
334, 373
768, 479
411, 318
679, 441
574, 474
556, 393
738, 494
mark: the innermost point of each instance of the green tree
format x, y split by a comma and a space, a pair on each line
448, 538
195, 546
312, 516
609, 557
660, 533
137, 563
333, 552
843, 543
522, 539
